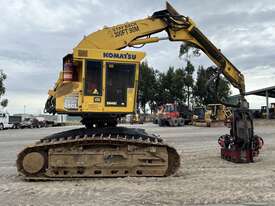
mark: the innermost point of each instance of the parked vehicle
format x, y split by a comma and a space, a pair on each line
46, 121
30, 123
4, 121
15, 120
8, 121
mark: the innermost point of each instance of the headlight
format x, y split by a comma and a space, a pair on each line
71, 102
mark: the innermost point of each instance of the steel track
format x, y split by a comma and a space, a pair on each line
117, 136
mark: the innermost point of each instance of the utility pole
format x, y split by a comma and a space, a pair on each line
267, 104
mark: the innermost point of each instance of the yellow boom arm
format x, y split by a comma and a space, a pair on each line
178, 28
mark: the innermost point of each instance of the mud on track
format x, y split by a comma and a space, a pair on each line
202, 179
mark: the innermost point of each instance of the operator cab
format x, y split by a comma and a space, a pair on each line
99, 83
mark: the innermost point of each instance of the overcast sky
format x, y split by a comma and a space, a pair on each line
36, 34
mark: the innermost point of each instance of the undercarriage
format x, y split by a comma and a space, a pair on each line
98, 152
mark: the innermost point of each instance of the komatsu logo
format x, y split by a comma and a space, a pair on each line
119, 56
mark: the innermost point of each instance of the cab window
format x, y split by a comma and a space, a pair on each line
93, 78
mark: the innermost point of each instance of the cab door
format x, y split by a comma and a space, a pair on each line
93, 86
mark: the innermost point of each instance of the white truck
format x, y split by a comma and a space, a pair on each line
7, 121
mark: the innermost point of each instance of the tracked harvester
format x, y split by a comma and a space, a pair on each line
99, 82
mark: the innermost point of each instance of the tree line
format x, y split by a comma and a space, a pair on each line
178, 84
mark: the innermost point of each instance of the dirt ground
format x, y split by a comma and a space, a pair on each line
203, 177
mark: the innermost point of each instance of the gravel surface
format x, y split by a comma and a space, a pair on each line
203, 177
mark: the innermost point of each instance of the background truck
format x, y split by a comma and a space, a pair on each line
30, 123
8, 121
15, 120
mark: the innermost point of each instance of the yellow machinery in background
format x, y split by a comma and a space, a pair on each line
136, 118
215, 115
99, 82
271, 111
